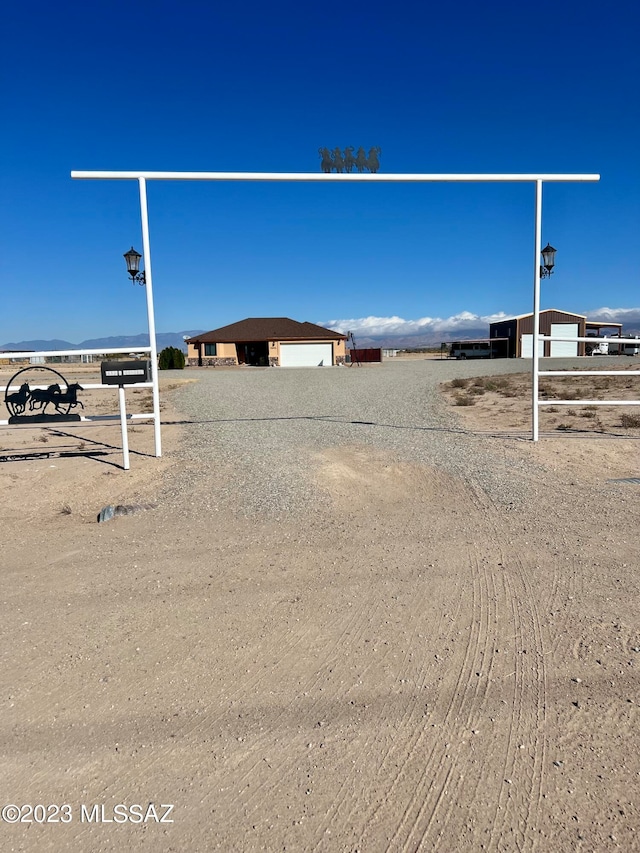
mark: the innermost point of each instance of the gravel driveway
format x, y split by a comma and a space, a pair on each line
262, 427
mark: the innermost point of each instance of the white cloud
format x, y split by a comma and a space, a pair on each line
615, 315
398, 326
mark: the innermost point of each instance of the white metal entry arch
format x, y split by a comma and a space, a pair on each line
143, 176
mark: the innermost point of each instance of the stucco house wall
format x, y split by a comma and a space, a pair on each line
263, 335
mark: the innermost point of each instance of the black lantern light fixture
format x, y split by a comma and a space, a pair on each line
133, 267
548, 261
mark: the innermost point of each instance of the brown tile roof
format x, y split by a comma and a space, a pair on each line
267, 329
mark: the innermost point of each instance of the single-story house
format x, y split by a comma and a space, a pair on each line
518, 331
267, 342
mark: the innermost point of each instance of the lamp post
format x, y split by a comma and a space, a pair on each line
138, 276
132, 259
548, 261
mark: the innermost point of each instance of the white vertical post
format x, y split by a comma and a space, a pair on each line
152, 323
123, 428
535, 370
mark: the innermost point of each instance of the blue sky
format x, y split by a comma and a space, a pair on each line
458, 87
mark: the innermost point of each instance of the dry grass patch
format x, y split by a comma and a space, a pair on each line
630, 421
509, 398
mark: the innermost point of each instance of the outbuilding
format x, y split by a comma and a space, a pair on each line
519, 333
267, 342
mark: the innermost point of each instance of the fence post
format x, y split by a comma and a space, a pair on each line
150, 313
535, 367
123, 428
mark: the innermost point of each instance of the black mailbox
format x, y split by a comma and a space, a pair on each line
125, 372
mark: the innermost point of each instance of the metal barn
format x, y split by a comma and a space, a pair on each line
519, 333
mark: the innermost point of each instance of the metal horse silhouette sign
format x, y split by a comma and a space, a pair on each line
337, 161
39, 399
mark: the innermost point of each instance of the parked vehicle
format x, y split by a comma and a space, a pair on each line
470, 349
601, 348
625, 349
611, 347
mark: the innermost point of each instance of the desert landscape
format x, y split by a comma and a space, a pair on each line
355, 610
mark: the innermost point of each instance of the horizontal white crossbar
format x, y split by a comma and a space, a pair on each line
589, 372
146, 416
90, 387
589, 402
142, 416
590, 340
72, 352
321, 176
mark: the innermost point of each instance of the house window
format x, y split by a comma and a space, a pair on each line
209, 349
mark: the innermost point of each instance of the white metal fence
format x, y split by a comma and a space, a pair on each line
537, 373
122, 415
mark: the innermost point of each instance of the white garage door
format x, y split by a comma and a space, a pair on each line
527, 347
306, 355
564, 348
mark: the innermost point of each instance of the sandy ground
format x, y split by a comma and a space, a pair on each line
413, 668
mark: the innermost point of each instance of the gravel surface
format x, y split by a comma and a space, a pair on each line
263, 429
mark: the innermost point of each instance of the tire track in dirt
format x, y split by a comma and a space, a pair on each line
517, 804
347, 637
524, 756
421, 781
351, 781
410, 732
474, 777
517, 807
354, 789
453, 773
426, 820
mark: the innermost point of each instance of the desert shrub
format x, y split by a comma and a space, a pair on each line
630, 421
546, 390
552, 409
464, 400
171, 358
478, 390
563, 426
587, 413
458, 382
603, 383
575, 393
495, 384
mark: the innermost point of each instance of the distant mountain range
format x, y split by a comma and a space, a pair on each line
176, 339
426, 339
163, 339
434, 339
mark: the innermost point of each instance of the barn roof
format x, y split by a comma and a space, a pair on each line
542, 311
